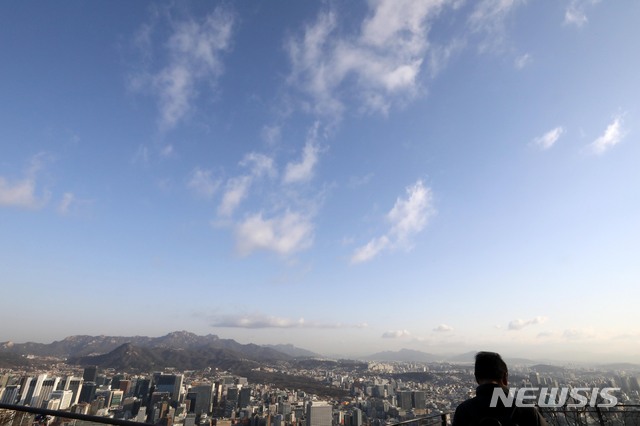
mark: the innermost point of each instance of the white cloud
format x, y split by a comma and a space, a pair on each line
519, 324
522, 61
236, 190
286, 234
271, 134
575, 13
65, 205
23, 192
203, 183
547, 140
269, 321
488, 17
259, 164
395, 334
194, 56
303, 170
611, 137
408, 217
370, 250
578, 334
256, 321
167, 151
443, 328
20, 194
380, 63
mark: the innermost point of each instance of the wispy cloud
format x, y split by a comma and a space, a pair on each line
488, 18
203, 183
268, 321
522, 61
65, 204
23, 192
443, 328
236, 190
395, 334
519, 324
408, 217
381, 62
578, 334
194, 52
285, 234
575, 13
547, 140
610, 138
303, 170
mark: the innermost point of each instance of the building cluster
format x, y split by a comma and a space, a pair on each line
386, 393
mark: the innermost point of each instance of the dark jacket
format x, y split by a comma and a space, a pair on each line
473, 410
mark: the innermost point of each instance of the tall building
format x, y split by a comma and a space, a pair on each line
170, 383
48, 385
65, 397
87, 393
10, 395
74, 384
319, 414
404, 399
419, 399
142, 388
203, 398
31, 393
90, 374
244, 398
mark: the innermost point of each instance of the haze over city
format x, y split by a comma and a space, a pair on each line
347, 177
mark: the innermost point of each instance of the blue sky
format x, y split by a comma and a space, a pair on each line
348, 177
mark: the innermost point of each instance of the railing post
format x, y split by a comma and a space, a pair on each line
443, 416
600, 418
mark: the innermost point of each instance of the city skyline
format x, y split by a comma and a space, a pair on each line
349, 178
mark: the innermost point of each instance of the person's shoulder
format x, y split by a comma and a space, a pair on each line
464, 412
529, 416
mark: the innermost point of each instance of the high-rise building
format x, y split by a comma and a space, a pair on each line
142, 388
244, 397
404, 399
203, 398
48, 385
74, 384
419, 400
171, 383
319, 414
10, 395
90, 374
65, 397
32, 392
87, 393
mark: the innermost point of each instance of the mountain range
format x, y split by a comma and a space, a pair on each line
186, 351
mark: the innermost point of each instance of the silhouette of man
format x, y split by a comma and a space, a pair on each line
491, 372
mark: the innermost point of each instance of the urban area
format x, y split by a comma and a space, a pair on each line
381, 393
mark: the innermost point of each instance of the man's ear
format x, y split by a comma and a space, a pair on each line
505, 380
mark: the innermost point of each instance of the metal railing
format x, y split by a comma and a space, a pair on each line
19, 415
620, 415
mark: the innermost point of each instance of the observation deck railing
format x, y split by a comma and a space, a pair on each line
620, 415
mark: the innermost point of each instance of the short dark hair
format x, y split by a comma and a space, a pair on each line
490, 366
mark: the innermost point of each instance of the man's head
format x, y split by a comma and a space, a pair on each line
490, 368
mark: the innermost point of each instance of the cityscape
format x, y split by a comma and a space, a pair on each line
277, 389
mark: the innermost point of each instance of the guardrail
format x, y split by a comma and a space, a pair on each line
620, 415
19, 415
